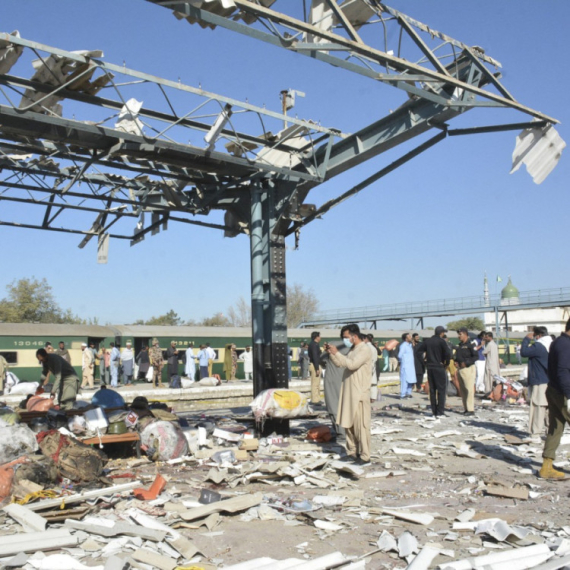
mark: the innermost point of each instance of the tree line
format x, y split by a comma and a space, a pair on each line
30, 300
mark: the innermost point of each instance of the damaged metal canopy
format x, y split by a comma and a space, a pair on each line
187, 153
184, 152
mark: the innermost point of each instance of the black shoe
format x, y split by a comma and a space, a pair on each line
348, 458
468, 413
361, 462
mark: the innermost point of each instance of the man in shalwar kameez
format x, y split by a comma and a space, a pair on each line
407, 366
354, 405
190, 364
492, 364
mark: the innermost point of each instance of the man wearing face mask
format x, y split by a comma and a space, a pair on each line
354, 404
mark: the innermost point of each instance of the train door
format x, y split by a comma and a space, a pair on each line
95, 340
140, 342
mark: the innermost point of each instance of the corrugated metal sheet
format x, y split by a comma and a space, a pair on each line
540, 150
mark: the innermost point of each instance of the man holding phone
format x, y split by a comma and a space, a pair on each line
354, 404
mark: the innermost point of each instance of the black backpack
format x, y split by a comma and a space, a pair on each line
175, 382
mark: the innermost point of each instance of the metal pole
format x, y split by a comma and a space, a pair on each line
268, 303
257, 242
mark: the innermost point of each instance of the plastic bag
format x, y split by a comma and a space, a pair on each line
8, 416
16, 441
163, 441
24, 388
279, 404
10, 382
149, 374
186, 382
77, 424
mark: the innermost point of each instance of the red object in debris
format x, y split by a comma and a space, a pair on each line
123, 476
155, 489
320, 434
6, 476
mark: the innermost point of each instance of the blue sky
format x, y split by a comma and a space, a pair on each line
428, 230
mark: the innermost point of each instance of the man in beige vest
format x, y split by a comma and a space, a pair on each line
354, 404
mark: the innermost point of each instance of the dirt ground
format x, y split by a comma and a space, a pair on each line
430, 478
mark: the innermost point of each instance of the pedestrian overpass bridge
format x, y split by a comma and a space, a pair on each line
419, 310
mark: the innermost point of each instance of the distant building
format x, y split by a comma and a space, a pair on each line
553, 318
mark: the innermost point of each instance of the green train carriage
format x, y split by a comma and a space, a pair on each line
20, 341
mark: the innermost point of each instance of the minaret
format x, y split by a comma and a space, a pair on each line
486, 291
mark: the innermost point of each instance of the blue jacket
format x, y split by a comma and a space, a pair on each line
559, 365
537, 362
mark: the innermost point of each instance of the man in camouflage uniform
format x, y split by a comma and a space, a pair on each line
66, 381
156, 361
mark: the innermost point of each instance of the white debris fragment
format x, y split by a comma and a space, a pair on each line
512, 559
404, 451
59, 562
387, 542
407, 544
423, 560
328, 526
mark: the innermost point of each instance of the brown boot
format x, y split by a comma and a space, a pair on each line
547, 471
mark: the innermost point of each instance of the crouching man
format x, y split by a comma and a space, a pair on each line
65, 379
354, 403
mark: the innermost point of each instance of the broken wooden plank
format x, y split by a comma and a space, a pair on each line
118, 528
233, 505
507, 492
30, 521
184, 546
418, 518
80, 497
154, 559
514, 440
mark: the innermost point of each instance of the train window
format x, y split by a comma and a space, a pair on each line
11, 357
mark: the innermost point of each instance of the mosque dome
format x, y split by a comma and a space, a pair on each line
509, 294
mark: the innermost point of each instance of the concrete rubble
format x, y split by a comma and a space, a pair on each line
455, 494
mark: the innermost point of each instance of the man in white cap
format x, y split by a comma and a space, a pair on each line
88, 364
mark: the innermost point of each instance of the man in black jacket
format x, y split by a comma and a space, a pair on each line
558, 396
438, 356
465, 357
314, 370
419, 362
